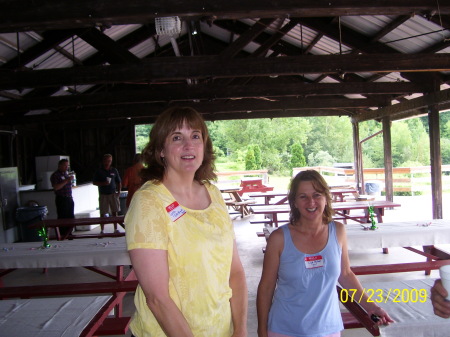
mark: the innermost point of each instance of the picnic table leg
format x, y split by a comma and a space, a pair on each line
275, 219
379, 213
58, 235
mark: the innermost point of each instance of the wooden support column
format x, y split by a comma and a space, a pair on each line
357, 155
389, 185
435, 161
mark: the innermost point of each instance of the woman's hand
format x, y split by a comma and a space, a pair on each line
441, 306
383, 316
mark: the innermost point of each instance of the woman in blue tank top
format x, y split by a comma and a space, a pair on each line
303, 263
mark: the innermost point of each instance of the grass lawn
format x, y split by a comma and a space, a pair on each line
280, 184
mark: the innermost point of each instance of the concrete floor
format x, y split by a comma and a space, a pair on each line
250, 249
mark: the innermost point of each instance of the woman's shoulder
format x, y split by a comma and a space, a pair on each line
338, 225
152, 188
212, 188
340, 230
278, 234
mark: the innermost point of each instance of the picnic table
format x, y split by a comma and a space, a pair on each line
92, 254
405, 234
235, 200
88, 253
341, 208
62, 316
338, 194
268, 196
250, 185
413, 315
72, 223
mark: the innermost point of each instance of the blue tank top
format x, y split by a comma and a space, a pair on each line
305, 302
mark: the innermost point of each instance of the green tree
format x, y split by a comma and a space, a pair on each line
250, 163
142, 133
297, 157
445, 151
331, 134
257, 153
273, 137
321, 158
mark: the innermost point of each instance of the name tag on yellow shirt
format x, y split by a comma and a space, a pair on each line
175, 211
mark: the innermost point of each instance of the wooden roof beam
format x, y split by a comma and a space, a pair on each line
180, 68
23, 15
437, 98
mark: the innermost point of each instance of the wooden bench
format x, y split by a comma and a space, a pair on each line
240, 206
261, 221
253, 185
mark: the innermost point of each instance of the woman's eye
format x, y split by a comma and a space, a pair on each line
197, 136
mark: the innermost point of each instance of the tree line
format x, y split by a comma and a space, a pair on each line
279, 144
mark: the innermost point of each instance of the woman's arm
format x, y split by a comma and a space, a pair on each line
348, 280
152, 271
239, 298
268, 280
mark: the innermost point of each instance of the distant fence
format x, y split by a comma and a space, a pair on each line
405, 179
233, 178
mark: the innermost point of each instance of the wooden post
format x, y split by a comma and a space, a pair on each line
388, 180
435, 149
436, 161
357, 155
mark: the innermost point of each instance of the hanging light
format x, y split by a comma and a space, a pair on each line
170, 25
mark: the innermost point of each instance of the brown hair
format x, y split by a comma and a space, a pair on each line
319, 184
166, 123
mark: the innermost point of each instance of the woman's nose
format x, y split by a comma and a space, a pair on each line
188, 142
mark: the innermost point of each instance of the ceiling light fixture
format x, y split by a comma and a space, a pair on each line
170, 25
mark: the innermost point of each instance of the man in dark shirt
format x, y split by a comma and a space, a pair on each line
62, 186
109, 184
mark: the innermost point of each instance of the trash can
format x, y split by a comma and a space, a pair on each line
25, 216
373, 188
123, 202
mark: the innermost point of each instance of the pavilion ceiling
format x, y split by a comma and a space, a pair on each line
92, 61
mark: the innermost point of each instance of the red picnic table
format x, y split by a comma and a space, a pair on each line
92, 254
268, 196
341, 209
235, 200
72, 223
339, 194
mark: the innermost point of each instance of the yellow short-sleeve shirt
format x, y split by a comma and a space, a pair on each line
199, 244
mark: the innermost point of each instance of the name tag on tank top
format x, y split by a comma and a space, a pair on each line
313, 262
175, 211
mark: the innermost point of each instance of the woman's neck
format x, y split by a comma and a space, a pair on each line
309, 226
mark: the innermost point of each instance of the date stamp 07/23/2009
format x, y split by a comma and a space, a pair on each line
384, 295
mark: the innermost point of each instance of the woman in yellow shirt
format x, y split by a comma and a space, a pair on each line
181, 240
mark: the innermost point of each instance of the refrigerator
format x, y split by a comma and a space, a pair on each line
45, 166
9, 197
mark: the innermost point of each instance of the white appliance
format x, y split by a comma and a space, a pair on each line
43, 180
45, 166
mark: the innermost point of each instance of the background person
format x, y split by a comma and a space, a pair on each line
181, 239
303, 263
441, 306
62, 186
132, 179
109, 184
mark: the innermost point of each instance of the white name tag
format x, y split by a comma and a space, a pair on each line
313, 261
175, 211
